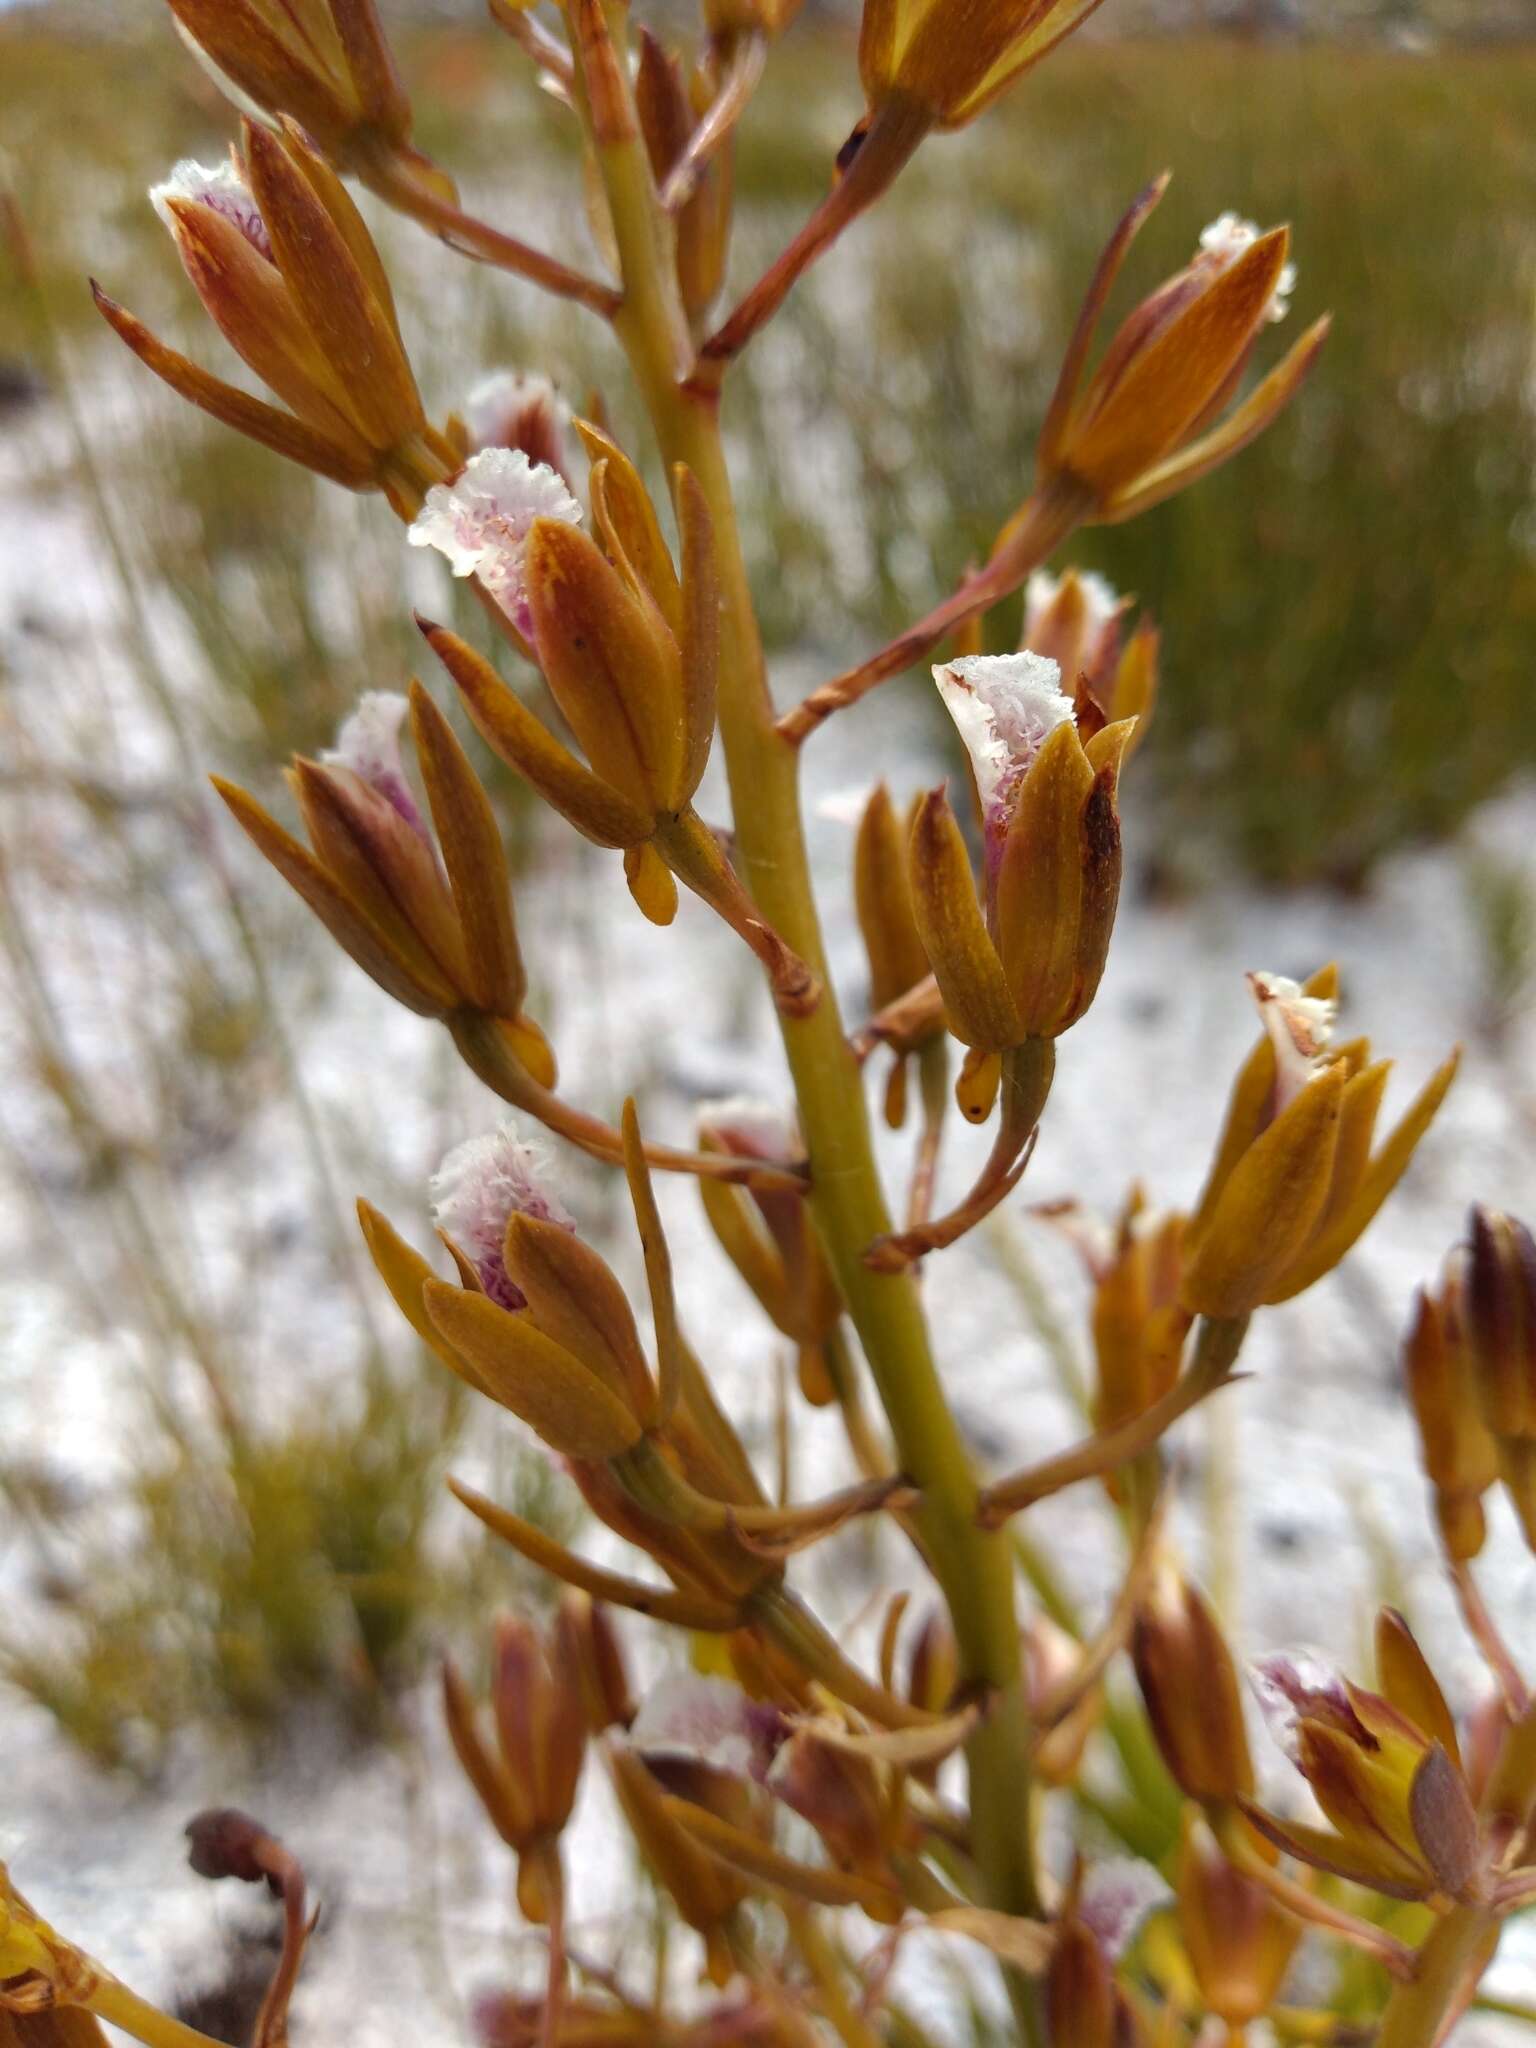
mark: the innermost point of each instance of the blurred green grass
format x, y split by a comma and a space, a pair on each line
1349, 608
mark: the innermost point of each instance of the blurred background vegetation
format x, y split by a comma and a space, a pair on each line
1349, 614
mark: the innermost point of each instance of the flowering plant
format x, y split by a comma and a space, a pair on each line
804, 1814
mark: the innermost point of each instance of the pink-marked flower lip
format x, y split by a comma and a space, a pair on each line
752, 1128
520, 409
1301, 1685
1226, 238
221, 188
480, 522
693, 1719
1117, 1897
368, 743
476, 1191
1299, 1027
1005, 708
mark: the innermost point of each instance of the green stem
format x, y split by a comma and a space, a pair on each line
1460, 1946
847, 1202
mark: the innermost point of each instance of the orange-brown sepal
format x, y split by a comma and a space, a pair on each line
1498, 1305
1190, 1690
1459, 1454
327, 64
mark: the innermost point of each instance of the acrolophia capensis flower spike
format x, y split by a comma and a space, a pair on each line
1153, 416
953, 61
286, 269
424, 909
1383, 1766
1295, 1180
327, 64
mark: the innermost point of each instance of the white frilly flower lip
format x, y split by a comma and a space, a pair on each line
1119, 1894
1005, 708
689, 1718
368, 743
1297, 1685
519, 409
479, 1187
219, 187
1299, 1027
1226, 238
480, 522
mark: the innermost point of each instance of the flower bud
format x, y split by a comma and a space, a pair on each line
1026, 962
527, 1784
591, 1644
1239, 1942
1382, 1766
705, 1890
1150, 420
432, 925
326, 63
768, 1236
1084, 2005
1078, 622
951, 68
1063, 1710
882, 895
1295, 1181
1139, 1324
1460, 1457
1499, 1307
670, 101
280, 257
1189, 1686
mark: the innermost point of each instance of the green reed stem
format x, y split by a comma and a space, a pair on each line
848, 1204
